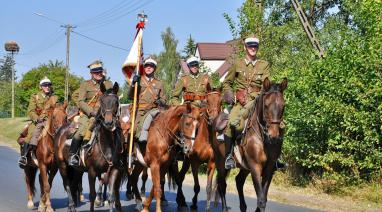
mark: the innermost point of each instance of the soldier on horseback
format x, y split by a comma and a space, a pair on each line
88, 103
193, 86
150, 97
247, 74
37, 111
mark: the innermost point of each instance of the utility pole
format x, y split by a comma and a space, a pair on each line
68, 31
13, 48
67, 74
307, 28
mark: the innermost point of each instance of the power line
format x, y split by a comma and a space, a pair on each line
109, 21
106, 14
100, 42
51, 19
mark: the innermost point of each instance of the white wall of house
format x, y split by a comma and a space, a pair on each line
212, 64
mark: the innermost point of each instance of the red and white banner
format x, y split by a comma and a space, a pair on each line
135, 56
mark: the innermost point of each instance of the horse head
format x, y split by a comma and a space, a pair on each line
59, 116
214, 101
272, 106
189, 124
109, 106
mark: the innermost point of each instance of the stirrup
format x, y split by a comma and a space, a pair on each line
23, 161
74, 163
230, 162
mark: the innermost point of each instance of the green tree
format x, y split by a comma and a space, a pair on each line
6, 68
168, 61
55, 71
189, 49
333, 112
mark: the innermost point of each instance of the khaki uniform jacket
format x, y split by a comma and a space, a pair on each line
196, 84
246, 76
89, 95
148, 91
37, 108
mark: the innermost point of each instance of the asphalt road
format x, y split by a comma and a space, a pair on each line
13, 195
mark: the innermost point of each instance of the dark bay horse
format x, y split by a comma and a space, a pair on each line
200, 151
103, 156
260, 146
45, 156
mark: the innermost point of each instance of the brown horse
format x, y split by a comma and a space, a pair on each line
161, 147
260, 146
200, 151
45, 156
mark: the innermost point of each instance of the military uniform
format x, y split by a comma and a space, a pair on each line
191, 87
39, 104
87, 96
149, 91
37, 112
247, 76
88, 103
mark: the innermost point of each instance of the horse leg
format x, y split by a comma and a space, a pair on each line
46, 187
240, 180
113, 190
92, 194
222, 186
98, 202
164, 201
144, 179
133, 178
210, 176
180, 199
156, 188
266, 180
66, 183
30, 176
256, 171
195, 168
129, 193
41, 204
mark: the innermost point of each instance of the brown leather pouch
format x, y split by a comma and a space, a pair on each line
241, 96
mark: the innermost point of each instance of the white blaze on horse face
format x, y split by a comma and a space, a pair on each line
194, 124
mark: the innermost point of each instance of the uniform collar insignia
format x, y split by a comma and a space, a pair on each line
247, 62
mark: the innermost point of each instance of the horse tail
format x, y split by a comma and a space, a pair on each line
124, 176
30, 177
171, 175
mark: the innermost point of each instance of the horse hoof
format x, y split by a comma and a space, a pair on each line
139, 207
106, 203
82, 198
41, 208
30, 205
98, 203
71, 209
129, 196
49, 209
183, 208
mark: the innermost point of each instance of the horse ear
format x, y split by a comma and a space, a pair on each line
65, 105
115, 88
188, 104
102, 88
208, 87
284, 84
266, 84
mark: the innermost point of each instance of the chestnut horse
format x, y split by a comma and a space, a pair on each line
260, 146
45, 156
200, 151
161, 147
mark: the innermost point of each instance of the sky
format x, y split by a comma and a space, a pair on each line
112, 22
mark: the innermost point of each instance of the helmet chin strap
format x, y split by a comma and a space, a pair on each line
150, 75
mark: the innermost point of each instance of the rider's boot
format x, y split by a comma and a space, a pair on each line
74, 159
230, 161
23, 158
